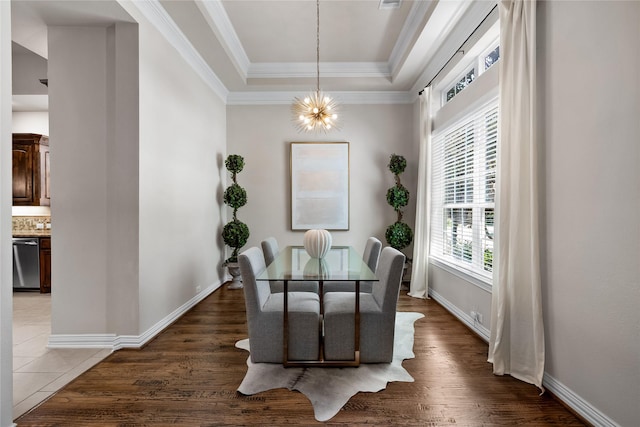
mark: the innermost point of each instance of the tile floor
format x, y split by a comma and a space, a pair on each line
38, 371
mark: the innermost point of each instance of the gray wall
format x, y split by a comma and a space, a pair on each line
262, 134
589, 101
30, 122
136, 152
182, 142
78, 134
590, 235
6, 255
94, 156
590, 137
28, 69
122, 190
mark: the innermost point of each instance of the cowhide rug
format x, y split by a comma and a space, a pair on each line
329, 389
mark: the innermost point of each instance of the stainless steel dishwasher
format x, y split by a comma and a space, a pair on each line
26, 263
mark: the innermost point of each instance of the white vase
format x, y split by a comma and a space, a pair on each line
317, 243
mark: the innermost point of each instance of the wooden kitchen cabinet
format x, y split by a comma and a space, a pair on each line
31, 165
45, 265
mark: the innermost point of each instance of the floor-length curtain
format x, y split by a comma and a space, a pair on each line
419, 287
516, 346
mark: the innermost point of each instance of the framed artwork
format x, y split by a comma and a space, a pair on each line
319, 185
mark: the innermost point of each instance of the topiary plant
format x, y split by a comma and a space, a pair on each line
399, 235
398, 197
235, 196
235, 233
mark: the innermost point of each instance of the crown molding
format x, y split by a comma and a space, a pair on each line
411, 26
345, 98
216, 16
153, 11
327, 69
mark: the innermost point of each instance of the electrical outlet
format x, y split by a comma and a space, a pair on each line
40, 226
476, 316
198, 289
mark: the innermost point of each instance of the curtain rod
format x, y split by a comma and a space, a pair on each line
459, 49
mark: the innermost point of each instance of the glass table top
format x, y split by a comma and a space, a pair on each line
342, 263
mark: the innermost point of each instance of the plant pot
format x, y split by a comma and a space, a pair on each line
234, 271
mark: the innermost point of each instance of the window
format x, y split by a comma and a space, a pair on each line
464, 81
490, 58
481, 63
464, 177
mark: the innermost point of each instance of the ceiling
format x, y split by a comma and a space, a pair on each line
265, 49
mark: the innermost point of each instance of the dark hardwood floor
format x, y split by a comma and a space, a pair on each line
189, 374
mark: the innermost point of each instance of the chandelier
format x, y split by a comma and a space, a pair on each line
316, 111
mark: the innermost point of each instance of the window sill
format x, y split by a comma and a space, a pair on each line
469, 276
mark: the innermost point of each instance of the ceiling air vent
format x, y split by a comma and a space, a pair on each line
389, 4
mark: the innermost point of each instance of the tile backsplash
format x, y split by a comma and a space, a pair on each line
23, 224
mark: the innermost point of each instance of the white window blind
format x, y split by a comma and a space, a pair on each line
463, 192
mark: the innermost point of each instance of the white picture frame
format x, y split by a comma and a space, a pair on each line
319, 185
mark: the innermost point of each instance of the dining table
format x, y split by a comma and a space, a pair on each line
341, 264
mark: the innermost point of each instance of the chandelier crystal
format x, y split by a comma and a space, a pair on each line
316, 111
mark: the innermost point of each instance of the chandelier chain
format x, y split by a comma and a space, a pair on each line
317, 111
318, 45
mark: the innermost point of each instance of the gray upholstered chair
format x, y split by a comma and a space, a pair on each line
377, 315
271, 250
265, 316
370, 256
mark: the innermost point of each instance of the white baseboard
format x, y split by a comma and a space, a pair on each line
575, 402
81, 341
116, 342
562, 392
476, 327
